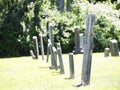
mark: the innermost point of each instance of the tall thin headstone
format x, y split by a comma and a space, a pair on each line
41, 45
60, 58
54, 57
114, 48
77, 40
48, 50
36, 50
71, 65
88, 49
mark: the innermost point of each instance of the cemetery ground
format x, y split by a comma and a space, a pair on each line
25, 73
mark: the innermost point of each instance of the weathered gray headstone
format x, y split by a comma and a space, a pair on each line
71, 65
106, 52
114, 48
54, 57
53, 52
36, 50
41, 45
48, 50
60, 5
88, 49
60, 58
77, 40
81, 42
32, 54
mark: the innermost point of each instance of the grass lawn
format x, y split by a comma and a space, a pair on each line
24, 73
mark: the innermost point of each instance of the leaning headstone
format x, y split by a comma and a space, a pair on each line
59, 51
32, 54
81, 42
106, 52
41, 45
77, 40
114, 48
36, 50
88, 49
71, 65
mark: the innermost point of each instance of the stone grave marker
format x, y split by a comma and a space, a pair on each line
81, 42
88, 49
41, 46
106, 52
59, 51
32, 54
48, 52
36, 50
114, 48
51, 39
53, 52
71, 65
77, 40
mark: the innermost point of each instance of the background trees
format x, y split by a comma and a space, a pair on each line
22, 19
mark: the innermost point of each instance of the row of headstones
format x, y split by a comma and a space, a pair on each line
87, 57
54, 52
113, 49
79, 44
35, 52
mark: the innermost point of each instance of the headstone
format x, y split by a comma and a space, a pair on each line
53, 52
48, 49
60, 58
60, 5
88, 49
106, 52
77, 40
81, 42
71, 65
41, 45
54, 57
114, 48
32, 54
36, 50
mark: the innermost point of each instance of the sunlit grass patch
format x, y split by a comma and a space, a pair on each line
23, 73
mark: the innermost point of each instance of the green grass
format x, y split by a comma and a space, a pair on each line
23, 73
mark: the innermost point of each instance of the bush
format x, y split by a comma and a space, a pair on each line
104, 32
23, 19
118, 6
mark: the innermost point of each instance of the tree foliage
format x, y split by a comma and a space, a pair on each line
19, 19
22, 19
